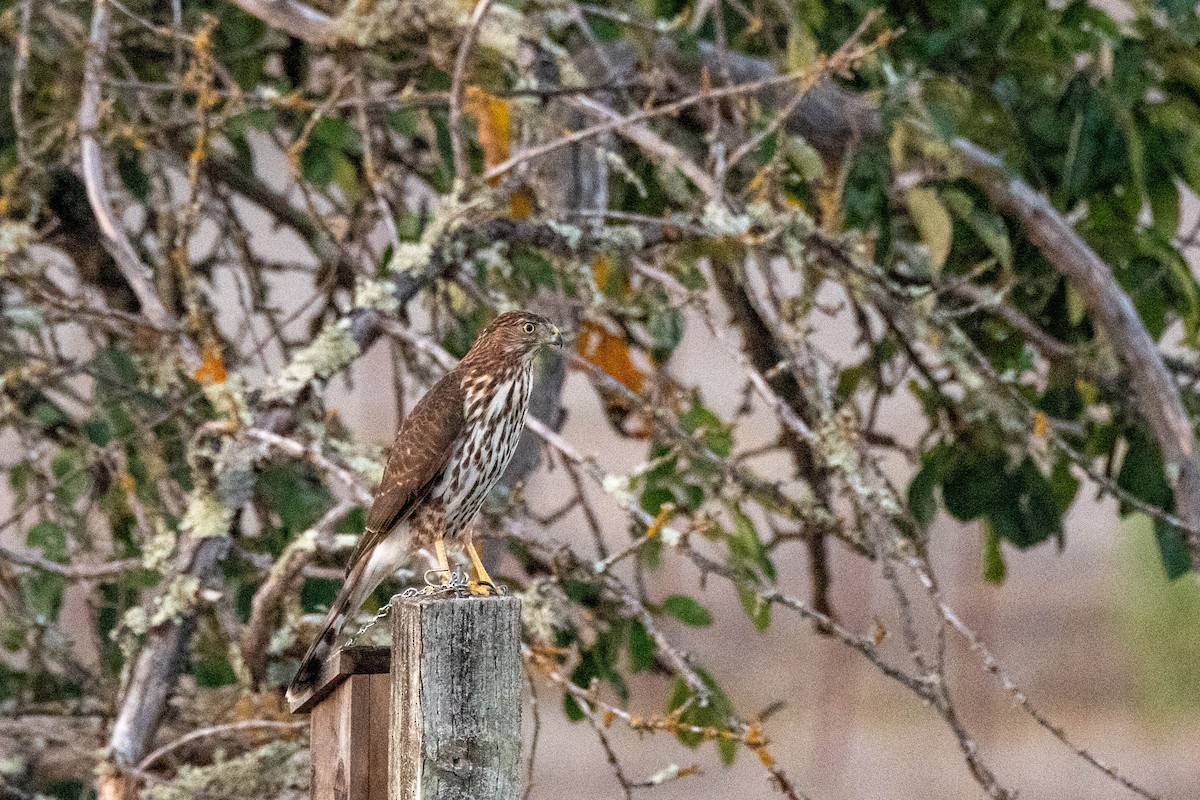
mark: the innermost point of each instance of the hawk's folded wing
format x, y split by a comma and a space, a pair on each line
419, 454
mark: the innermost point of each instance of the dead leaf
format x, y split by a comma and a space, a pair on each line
610, 352
212, 367
493, 123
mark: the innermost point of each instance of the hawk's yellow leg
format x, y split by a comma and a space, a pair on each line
484, 583
443, 563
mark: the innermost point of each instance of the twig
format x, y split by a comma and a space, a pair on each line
658, 111
653, 144
136, 274
283, 573
993, 666
16, 90
462, 169
217, 730
803, 88
80, 572
302, 21
315, 457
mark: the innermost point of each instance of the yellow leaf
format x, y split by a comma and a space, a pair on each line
600, 270
492, 123
1076, 310
608, 280
933, 223
520, 204
1041, 424
759, 185
212, 367
802, 48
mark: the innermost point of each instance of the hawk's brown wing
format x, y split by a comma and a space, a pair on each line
422, 447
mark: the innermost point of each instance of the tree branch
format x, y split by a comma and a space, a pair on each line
136, 274
1157, 396
296, 19
279, 583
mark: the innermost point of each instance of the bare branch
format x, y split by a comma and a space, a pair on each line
116, 241
297, 19
220, 730
280, 580
78, 572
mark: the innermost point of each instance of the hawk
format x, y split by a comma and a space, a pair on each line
447, 456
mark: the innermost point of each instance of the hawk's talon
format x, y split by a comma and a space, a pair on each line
485, 589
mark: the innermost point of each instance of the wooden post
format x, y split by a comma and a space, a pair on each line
349, 725
456, 699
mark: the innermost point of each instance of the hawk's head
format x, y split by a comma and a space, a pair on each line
517, 334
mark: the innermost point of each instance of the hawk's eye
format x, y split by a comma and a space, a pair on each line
528, 327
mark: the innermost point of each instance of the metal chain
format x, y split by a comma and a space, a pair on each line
459, 585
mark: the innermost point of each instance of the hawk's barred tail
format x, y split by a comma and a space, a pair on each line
354, 591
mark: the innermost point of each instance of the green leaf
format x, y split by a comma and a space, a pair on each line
1172, 549
1036, 508
345, 176
654, 498
1185, 292
921, 500
641, 647
971, 487
48, 415
43, 593
318, 594
727, 749
802, 47
316, 164
98, 431
687, 610
715, 714
49, 537
295, 493
1065, 484
337, 133
757, 609
1164, 200
1142, 474
73, 477
994, 568
210, 666
746, 546
403, 121
932, 222
584, 593
132, 174
534, 267
665, 327
571, 708
803, 158
987, 226
716, 436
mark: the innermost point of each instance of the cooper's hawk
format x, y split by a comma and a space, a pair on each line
448, 454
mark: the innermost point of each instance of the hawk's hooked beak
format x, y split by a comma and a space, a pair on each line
555, 337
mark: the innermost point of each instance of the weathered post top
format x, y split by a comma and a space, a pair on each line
456, 698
